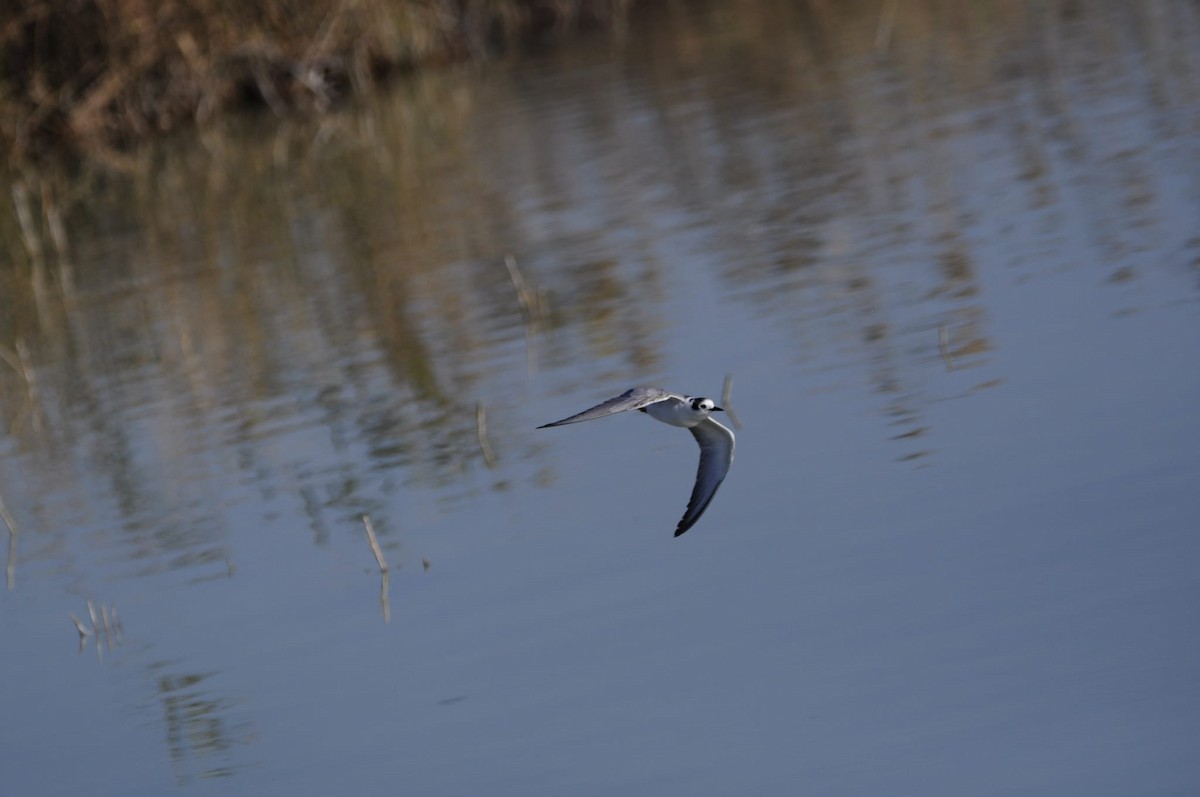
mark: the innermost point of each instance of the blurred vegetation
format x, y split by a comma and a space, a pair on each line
78, 74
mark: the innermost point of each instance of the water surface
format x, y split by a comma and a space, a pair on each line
949, 258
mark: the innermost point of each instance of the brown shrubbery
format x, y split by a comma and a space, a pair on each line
85, 73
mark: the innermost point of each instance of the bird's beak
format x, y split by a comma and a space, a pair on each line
717, 409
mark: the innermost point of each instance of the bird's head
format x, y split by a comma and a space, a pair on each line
705, 406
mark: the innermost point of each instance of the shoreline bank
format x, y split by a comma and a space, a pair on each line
105, 74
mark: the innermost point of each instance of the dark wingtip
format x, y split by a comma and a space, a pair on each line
681, 529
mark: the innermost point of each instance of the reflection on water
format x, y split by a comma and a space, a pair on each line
303, 324
199, 732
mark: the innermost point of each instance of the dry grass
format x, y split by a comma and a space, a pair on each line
79, 74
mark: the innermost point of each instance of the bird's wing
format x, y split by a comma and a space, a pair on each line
716, 455
633, 399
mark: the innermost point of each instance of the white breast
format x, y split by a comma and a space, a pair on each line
676, 413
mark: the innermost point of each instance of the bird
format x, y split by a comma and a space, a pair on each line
693, 413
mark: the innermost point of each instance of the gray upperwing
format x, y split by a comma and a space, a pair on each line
632, 399
716, 455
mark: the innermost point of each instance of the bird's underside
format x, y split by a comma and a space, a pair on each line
716, 441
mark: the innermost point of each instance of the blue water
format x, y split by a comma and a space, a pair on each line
952, 272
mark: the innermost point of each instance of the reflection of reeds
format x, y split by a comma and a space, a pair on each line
944, 347
524, 297
10, 570
18, 360
200, 725
531, 309
485, 445
354, 258
385, 603
413, 291
887, 19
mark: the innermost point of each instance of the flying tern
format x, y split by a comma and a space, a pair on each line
692, 413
